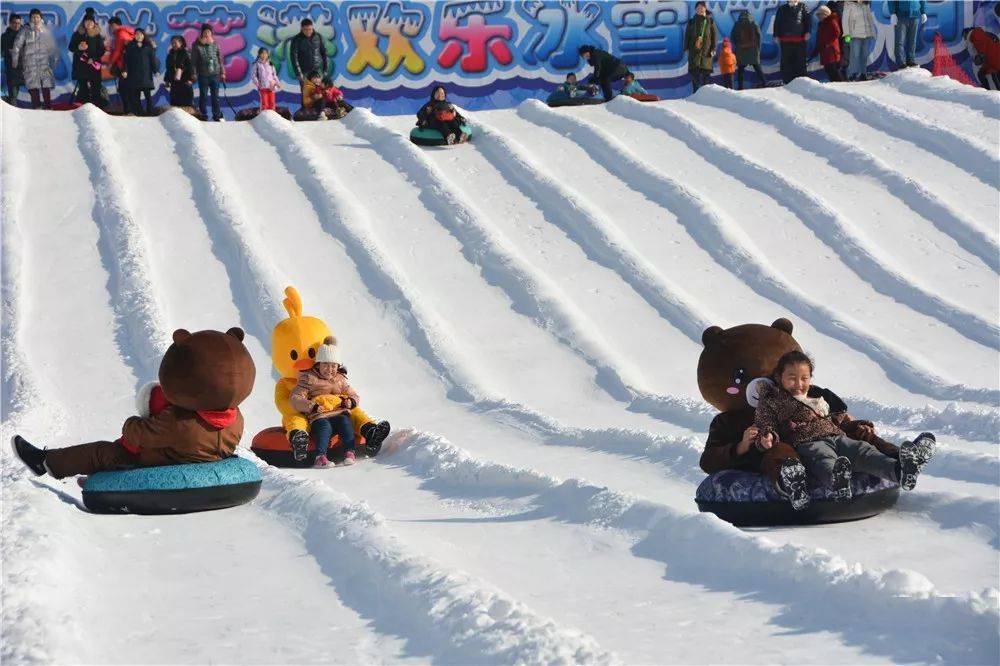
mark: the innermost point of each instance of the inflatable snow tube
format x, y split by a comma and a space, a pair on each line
272, 446
250, 114
173, 488
304, 115
424, 136
556, 100
746, 499
645, 97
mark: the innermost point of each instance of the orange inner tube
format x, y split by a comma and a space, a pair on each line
274, 439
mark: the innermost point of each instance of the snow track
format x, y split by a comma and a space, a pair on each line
490, 296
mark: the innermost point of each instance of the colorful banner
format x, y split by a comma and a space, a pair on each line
386, 54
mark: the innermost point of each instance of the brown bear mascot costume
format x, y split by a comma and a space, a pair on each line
204, 377
732, 358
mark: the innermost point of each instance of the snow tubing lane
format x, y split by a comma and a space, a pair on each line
173, 488
423, 136
558, 101
746, 499
272, 446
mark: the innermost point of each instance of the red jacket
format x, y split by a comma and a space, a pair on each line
828, 40
987, 47
123, 35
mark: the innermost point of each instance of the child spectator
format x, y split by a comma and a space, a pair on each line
333, 99
178, 77
34, 52
632, 87
207, 62
727, 63
439, 114
828, 42
785, 412
265, 79
140, 65
324, 396
745, 37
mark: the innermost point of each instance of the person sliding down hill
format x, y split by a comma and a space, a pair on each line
323, 395
632, 87
440, 114
570, 87
607, 69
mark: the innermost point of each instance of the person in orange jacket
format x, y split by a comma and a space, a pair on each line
727, 63
121, 36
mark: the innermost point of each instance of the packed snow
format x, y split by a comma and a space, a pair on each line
527, 311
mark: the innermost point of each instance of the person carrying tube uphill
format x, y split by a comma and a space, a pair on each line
607, 69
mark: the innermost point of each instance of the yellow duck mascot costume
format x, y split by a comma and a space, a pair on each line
293, 347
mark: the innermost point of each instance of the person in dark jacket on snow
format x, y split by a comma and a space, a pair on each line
86, 47
792, 25
907, 16
11, 74
439, 114
607, 69
178, 76
208, 67
307, 53
700, 37
139, 66
745, 38
828, 42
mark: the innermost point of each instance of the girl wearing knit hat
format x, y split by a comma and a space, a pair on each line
324, 396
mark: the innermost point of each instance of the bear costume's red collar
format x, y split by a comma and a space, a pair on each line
218, 419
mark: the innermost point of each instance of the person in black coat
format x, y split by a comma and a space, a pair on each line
792, 25
178, 76
439, 114
139, 67
12, 75
307, 52
86, 47
607, 69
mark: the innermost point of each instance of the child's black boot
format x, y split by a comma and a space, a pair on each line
912, 458
792, 483
374, 434
299, 440
840, 490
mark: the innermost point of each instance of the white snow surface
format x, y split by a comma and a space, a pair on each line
527, 311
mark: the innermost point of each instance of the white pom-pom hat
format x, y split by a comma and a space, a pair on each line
327, 352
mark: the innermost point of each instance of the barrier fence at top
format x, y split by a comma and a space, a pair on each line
387, 54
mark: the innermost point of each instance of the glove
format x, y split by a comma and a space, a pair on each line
328, 403
923, 19
892, 20
847, 39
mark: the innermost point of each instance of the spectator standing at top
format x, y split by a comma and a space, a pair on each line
907, 16
745, 38
179, 75
792, 25
206, 59
86, 47
11, 74
140, 66
828, 42
120, 36
858, 24
307, 53
607, 69
700, 37
34, 51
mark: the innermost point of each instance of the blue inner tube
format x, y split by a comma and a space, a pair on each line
173, 488
746, 499
425, 136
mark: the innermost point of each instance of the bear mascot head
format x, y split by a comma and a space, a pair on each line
733, 357
207, 370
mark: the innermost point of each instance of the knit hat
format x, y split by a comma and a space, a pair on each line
327, 352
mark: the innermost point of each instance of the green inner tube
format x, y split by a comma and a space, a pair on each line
424, 136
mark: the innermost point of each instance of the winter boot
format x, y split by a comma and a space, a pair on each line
792, 483
300, 444
463, 137
32, 456
349, 458
840, 491
322, 462
450, 138
912, 458
374, 434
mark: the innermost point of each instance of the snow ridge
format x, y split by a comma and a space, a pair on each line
967, 154
978, 425
471, 620
865, 606
125, 252
920, 83
837, 232
254, 280
718, 235
850, 159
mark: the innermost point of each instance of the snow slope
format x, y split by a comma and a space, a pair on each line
527, 311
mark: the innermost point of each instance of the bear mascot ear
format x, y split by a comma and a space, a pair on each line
180, 335
711, 333
782, 324
236, 332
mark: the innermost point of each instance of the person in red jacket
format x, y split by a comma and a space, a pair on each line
828, 42
120, 36
986, 56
